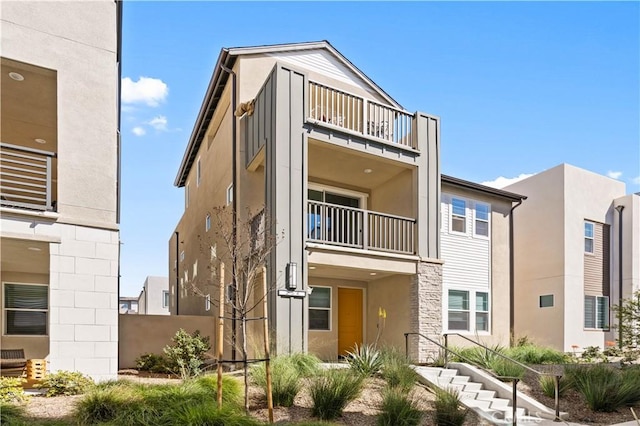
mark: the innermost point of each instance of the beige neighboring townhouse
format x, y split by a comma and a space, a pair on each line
476, 231
59, 189
154, 297
570, 248
351, 181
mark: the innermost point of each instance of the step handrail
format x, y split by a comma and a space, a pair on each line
514, 379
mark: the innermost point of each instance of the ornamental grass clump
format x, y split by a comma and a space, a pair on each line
398, 409
532, 354
606, 388
332, 390
397, 371
449, 411
286, 371
548, 386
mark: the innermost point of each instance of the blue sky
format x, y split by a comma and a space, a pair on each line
519, 87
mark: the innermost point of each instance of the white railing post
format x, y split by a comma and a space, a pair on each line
365, 230
48, 205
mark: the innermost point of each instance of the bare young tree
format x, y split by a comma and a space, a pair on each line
243, 246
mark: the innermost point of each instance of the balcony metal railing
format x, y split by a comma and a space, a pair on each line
26, 178
351, 227
360, 115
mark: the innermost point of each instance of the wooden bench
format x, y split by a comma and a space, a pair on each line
12, 361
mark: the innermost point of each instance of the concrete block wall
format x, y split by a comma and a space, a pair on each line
83, 320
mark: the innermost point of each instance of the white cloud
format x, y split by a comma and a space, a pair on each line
614, 175
502, 181
158, 123
636, 180
139, 131
147, 90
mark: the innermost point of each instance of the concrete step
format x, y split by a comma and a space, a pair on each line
460, 379
472, 387
477, 403
486, 394
499, 403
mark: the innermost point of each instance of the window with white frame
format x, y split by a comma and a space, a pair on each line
207, 302
198, 173
230, 194
588, 237
26, 309
482, 220
207, 223
186, 195
468, 310
320, 309
596, 312
482, 311
182, 256
458, 310
165, 299
458, 215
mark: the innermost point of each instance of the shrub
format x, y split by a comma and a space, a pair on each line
448, 409
11, 414
193, 402
306, 365
605, 388
504, 368
532, 354
591, 353
548, 386
11, 389
398, 409
365, 360
285, 383
153, 363
477, 355
187, 352
332, 391
66, 383
397, 371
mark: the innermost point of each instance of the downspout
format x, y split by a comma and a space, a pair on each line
511, 275
177, 273
619, 209
234, 203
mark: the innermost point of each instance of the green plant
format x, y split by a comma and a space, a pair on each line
397, 371
548, 386
285, 383
605, 388
477, 355
193, 402
628, 314
306, 365
11, 414
210, 415
532, 354
187, 352
365, 360
153, 362
505, 368
398, 409
448, 409
591, 353
11, 389
66, 383
332, 391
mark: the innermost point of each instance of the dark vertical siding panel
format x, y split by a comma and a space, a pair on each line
596, 265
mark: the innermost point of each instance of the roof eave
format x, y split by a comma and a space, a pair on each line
512, 196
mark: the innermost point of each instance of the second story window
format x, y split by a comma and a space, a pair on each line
588, 237
165, 299
482, 220
198, 173
182, 256
186, 195
207, 223
458, 215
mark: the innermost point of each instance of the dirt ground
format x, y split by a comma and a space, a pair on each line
361, 412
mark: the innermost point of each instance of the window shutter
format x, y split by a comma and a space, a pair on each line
589, 312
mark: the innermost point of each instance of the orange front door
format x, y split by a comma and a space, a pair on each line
349, 319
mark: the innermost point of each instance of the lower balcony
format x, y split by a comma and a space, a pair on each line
338, 225
27, 178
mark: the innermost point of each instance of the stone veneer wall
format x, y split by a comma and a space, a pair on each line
426, 311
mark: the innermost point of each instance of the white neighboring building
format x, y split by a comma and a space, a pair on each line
154, 297
59, 183
567, 256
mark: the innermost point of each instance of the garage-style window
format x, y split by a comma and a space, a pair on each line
320, 309
26, 308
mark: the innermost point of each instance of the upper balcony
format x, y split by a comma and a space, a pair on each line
345, 111
26, 178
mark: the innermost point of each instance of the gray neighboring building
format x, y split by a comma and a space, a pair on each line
154, 297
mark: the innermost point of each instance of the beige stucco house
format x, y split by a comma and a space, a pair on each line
569, 251
154, 297
352, 183
59, 184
